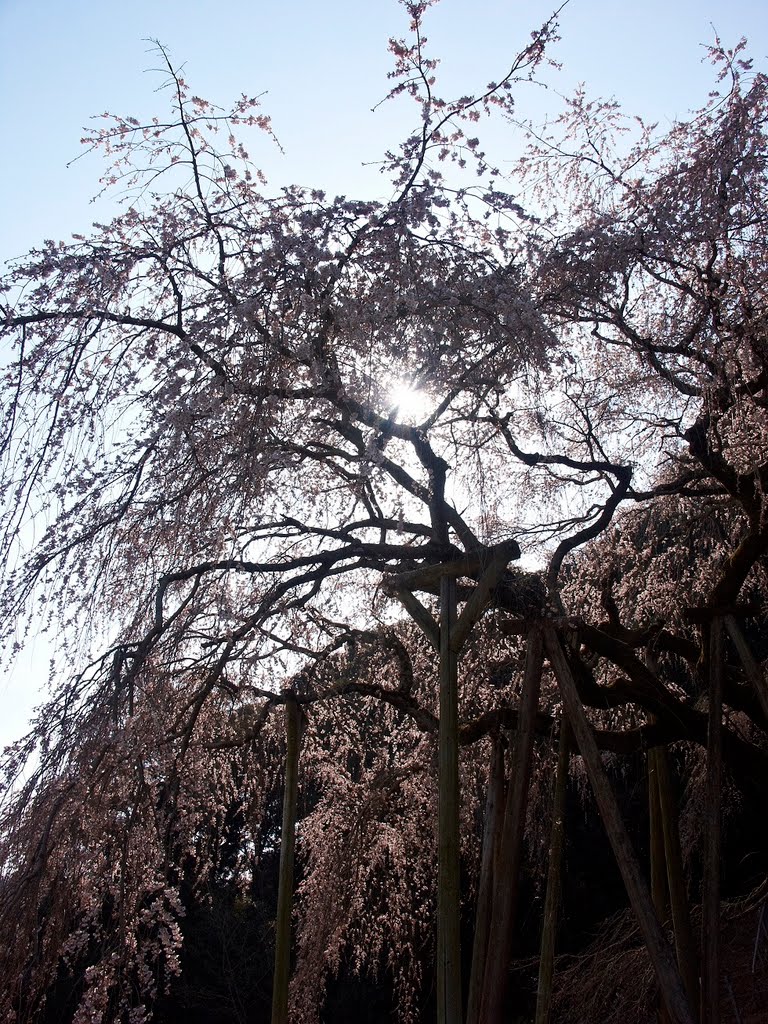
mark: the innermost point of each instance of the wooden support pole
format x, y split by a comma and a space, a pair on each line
656, 829
494, 807
685, 945
710, 911
479, 597
657, 851
659, 950
554, 878
449, 1008
472, 565
510, 856
753, 671
420, 616
281, 976
448, 636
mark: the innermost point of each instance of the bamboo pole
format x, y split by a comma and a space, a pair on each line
281, 976
659, 950
554, 878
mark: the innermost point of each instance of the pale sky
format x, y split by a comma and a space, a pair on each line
323, 67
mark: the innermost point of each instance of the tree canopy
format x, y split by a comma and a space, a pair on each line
207, 472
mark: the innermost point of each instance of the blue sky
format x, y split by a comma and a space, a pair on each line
323, 67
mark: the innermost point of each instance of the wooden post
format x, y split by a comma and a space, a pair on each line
554, 878
281, 976
659, 950
753, 671
656, 829
657, 851
449, 636
678, 896
507, 885
710, 911
494, 805
449, 1008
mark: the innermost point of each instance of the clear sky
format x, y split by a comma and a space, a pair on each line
323, 67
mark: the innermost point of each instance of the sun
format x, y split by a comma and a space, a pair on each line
408, 404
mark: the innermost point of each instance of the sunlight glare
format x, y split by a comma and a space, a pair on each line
407, 403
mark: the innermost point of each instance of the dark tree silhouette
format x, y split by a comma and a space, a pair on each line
204, 459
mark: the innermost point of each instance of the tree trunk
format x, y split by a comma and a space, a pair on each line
554, 877
507, 882
285, 884
494, 805
448, 887
710, 911
659, 951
